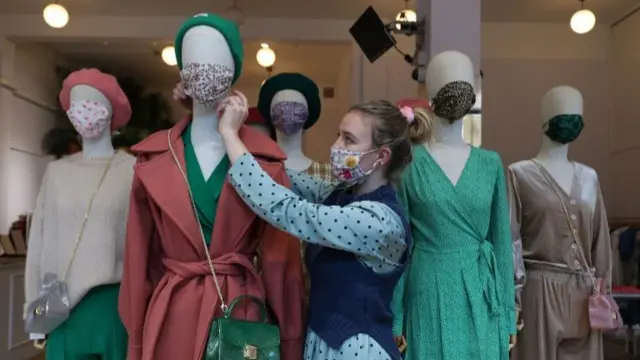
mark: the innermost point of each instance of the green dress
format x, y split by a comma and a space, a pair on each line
205, 192
93, 330
456, 299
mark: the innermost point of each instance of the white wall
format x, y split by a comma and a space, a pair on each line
625, 122
30, 114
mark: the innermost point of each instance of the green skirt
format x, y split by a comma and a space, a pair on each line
93, 330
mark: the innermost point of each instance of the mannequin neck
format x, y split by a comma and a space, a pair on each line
448, 133
204, 125
292, 146
98, 147
552, 151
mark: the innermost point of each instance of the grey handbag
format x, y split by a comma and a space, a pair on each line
52, 308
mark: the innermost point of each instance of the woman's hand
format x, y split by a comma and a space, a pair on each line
234, 110
181, 96
401, 343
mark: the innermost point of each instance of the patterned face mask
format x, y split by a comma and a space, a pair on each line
206, 83
564, 129
289, 117
88, 117
454, 100
345, 165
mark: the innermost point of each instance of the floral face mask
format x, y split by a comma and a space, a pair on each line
88, 117
289, 117
564, 129
206, 83
345, 165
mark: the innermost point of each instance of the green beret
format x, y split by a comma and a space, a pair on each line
290, 81
227, 28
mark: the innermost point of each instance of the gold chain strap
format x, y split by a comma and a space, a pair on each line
223, 305
571, 227
86, 217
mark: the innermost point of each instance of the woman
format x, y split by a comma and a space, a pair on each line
357, 232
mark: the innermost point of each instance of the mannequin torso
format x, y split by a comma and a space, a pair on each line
447, 147
203, 44
292, 144
552, 155
99, 146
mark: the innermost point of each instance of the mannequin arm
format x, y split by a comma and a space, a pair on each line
601, 246
281, 266
500, 236
32, 271
135, 289
309, 187
515, 210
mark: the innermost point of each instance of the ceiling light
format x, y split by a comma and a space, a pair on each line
264, 45
169, 56
266, 57
235, 14
406, 16
55, 15
583, 21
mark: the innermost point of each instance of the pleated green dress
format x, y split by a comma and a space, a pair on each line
456, 299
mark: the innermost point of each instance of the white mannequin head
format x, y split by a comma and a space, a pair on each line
205, 50
90, 122
444, 70
561, 100
288, 97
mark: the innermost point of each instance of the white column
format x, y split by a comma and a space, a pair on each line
451, 25
7, 50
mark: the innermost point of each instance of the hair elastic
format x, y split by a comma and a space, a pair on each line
408, 113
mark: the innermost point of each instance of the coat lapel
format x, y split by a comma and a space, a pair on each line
164, 182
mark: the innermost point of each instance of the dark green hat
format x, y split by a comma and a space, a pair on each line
290, 81
227, 28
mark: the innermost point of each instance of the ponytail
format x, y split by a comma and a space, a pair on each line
421, 129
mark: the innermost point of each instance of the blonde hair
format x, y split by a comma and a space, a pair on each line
421, 129
391, 128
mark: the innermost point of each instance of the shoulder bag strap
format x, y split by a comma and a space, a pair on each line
223, 305
86, 217
572, 228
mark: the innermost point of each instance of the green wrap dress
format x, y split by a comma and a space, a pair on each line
456, 301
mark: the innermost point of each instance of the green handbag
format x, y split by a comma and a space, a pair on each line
229, 338
232, 339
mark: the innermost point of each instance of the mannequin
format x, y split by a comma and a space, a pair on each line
96, 107
457, 203
167, 278
290, 103
556, 294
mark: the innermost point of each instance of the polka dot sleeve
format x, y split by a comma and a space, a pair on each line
309, 187
366, 228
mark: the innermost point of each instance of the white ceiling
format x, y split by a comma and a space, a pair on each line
607, 11
142, 60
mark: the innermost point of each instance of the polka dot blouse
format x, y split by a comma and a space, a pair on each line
370, 230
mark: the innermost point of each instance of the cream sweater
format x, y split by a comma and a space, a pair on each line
62, 203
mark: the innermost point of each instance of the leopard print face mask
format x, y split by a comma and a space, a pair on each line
454, 100
206, 83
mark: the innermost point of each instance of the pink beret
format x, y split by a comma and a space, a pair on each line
107, 85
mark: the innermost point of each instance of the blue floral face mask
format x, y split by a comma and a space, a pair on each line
564, 129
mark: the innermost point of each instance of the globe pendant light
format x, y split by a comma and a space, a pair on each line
406, 16
55, 15
583, 20
169, 56
266, 57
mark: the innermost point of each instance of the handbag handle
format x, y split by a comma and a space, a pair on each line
583, 258
254, 299
223, 305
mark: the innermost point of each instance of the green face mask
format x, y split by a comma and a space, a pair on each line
564, 129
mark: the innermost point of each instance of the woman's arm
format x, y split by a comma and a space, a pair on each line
366, 228
309, 187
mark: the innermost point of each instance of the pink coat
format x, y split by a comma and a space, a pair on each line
167, 297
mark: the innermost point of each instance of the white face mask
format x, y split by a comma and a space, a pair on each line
89, 118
